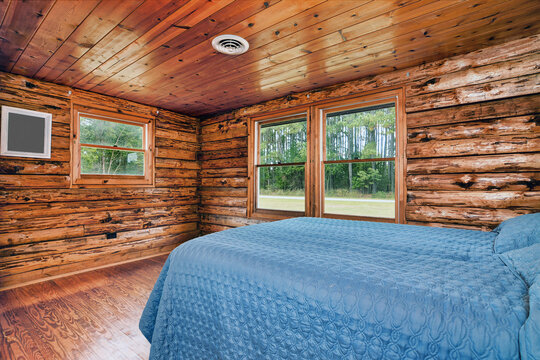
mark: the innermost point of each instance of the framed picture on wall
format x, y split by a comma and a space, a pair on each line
25, 133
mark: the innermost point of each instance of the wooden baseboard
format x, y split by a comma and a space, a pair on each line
9, 287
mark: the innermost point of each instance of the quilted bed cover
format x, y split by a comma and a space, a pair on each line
312, 288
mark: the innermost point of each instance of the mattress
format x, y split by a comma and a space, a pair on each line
312, 288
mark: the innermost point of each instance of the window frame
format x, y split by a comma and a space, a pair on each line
107, 180
316, 152
254, 126
359, 102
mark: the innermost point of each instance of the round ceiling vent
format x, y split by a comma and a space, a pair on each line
230, 44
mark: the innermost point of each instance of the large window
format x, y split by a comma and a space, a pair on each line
351, 147
279, 167
111, 149
359, 160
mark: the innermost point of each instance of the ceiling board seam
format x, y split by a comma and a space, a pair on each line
313, 26
5, 13
103, 37
230, 5
265, 29
67, 37
127, 46
467, 15
123, 68
32, 36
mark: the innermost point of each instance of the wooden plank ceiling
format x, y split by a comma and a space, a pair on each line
158, 52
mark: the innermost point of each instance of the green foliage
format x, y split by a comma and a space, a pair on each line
365, 134
109, 161
283, 143
110, 133
366, 178
282, 178
360, 135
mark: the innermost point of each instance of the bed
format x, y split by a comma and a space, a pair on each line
312, 288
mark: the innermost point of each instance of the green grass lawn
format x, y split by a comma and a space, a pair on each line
366, 207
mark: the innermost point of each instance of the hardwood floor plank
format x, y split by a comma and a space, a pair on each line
93, 315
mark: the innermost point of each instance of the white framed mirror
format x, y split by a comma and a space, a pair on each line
25, 133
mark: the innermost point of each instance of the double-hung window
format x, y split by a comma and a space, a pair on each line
279, 164
359, 156
353, 149
111, 149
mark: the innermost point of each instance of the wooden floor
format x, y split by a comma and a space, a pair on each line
93, 315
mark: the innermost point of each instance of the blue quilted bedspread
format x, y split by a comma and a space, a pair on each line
311, 288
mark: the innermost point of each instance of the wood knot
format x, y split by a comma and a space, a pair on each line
431, 82
530, 184
465, 182
107, 219
30, 85
464, 185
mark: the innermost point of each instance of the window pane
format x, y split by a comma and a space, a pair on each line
361, 189
110, 133
282, 188
284, 142
365, 133
111, 162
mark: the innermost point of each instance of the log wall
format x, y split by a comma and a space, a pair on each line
49, 229
473, 160
473, 147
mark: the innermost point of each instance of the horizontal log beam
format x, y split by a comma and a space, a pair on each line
475, 164
484, 181
23, 196
225, 182
514, 106
522, 143
462, 215
492, 127
523, 85
476, 199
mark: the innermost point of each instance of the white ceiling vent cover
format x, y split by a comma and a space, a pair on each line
230, 44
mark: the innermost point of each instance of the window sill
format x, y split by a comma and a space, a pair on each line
360, 218
261, 214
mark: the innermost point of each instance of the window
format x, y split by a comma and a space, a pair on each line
359, 154
279, 164
111, 149
357, 160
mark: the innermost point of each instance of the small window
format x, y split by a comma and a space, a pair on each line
111, 149
279, 168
